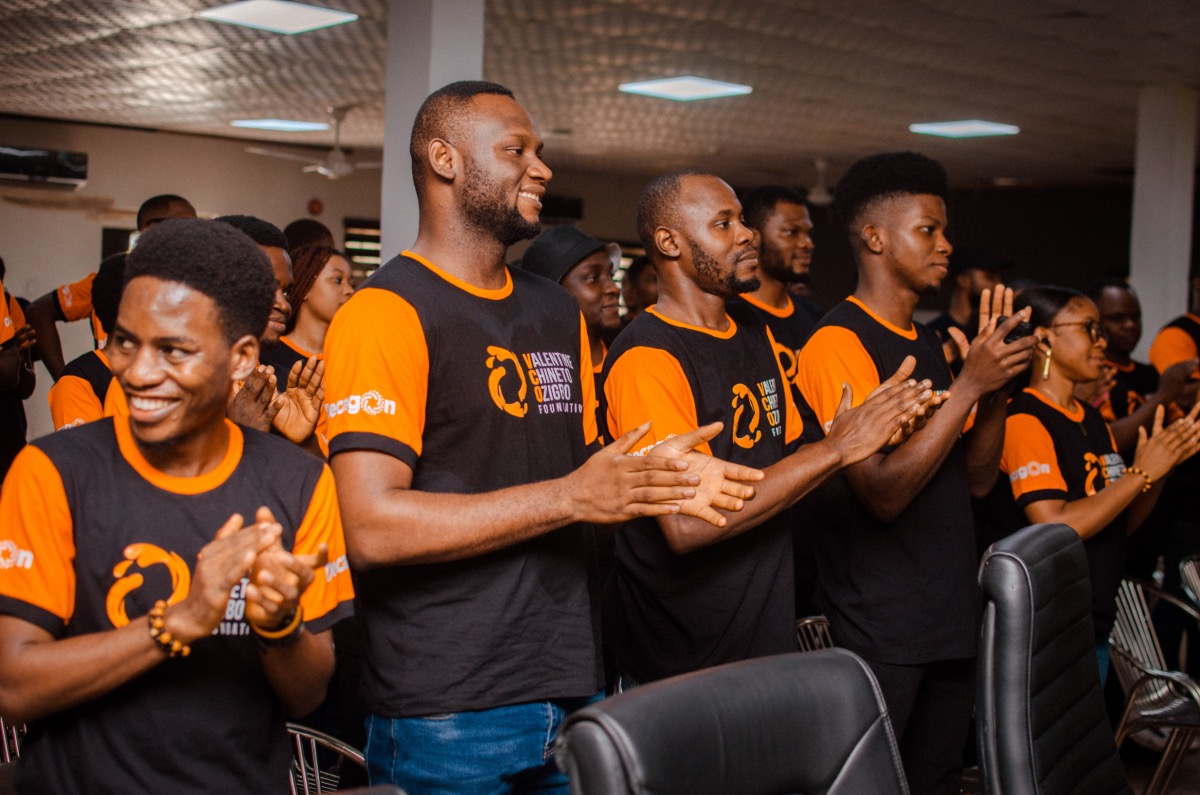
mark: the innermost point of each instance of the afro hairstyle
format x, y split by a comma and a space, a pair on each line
440, 117
214, 259
885, 176
261, 232
759, 204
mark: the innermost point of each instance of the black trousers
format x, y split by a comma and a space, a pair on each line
930, 707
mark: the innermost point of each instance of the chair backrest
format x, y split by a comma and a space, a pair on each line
1189, 574
812, 633
1040, 715
318, 759
812, 723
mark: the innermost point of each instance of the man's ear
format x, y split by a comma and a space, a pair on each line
873, 238
443, 159
666, 242
243, 356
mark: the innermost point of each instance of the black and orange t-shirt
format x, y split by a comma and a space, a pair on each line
92, 535
75, 303
1051, 453
12, 407
902, 592
475, 390
86, 391
282, 356
1177, 342
732, 600
1134, 381
790, 328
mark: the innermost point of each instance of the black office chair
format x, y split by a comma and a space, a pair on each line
811, 722
1040, 717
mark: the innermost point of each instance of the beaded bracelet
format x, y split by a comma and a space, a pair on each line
1139, 471
170, 645
286, 635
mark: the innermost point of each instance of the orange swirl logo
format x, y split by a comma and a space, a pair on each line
145, 556
1095, 469
743, 397
495, 362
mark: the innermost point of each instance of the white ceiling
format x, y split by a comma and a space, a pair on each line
831, 79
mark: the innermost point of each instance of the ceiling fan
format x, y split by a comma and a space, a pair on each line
336, 164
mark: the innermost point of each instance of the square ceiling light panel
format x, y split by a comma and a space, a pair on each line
969, 128
280, 125
685, 88
277, 16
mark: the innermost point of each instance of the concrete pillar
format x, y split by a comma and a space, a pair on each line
430, 43
1160, 247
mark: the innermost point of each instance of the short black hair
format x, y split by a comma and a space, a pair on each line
161, 202
1100, 285
107, 287
759, 204
438, 117
658, 204
214, 259
307, 232
261, 232
885, 176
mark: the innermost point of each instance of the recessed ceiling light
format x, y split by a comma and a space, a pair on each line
280, 125
685, 89
970, 128
278, 16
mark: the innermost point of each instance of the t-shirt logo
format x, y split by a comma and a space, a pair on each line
745, 417
11, 555
145, 556
1107, 468
497, 360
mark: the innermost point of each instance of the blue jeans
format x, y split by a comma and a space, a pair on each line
490, 752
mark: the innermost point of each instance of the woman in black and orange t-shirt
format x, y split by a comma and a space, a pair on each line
1060, 456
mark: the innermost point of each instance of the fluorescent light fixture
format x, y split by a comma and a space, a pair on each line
685, 88
277, 16
970, 128
280, 125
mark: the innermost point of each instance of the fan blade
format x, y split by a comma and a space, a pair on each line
258, 150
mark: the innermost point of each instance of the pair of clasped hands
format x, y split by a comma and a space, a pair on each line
293, 412
277, 578
891, 413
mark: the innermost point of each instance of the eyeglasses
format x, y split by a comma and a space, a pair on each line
1093, 328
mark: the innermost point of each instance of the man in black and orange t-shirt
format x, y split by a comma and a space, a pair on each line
73, 301
143, 652
896, 545
690, 594
460, 405
785, 249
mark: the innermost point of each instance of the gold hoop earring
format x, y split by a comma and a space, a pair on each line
1046, 365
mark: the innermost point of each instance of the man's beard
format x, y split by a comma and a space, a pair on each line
487, 209
708, 268
772, 264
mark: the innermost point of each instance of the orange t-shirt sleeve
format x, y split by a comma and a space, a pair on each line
587, 381
330, 596
72, 402
832, 356
1171, 346
37, 544
8, 320
75, 299
1029, 460
377, 376
649, 384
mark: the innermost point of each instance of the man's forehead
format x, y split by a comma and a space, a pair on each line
791, 211
709, 195
500, 112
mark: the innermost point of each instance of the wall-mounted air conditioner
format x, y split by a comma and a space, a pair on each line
42, 167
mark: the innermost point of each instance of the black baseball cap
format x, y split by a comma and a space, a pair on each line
560, 248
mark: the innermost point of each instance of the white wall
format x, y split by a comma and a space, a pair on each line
45, 247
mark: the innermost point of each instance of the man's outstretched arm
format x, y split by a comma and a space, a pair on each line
388, 523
